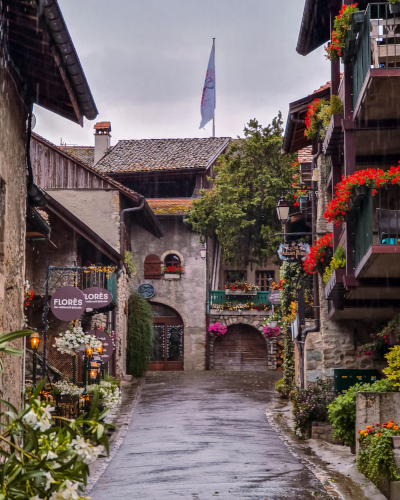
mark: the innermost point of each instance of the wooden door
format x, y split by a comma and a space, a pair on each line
168, 344
242, 348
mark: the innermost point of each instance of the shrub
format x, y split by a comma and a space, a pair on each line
129, 264
393, 370
140, 336
342, 411
310, 405
338, 262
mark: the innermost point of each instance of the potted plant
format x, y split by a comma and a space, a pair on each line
240, 288
394, 6
320, 255
218, 329
66, 392
342, 38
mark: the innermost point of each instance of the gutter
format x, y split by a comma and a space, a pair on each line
122, 223
63, 42
316, 326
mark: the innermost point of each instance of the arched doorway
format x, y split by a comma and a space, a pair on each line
241, 348
168, 339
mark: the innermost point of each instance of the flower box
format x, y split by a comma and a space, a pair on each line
357, 21
240, 292
65, 398
350, 47
394, 8
245, 312
172, 276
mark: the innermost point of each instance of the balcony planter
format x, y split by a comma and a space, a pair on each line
394, 8
357, 21
358, 194
239, 292
65, 398
349, 47
172, 276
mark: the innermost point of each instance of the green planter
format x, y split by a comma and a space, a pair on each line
350, 47
357, 21
394, 8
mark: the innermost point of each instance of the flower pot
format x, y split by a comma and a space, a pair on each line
172, 276
65, 398
396, 441
357, 21
394, 8
273, 324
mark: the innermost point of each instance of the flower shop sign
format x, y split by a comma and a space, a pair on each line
274, 297
295, 251
67, 303
96, 297
105, 339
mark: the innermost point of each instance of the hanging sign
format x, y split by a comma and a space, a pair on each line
96, 297
146, 290
108, 346
67, 303
274, 297
294, 251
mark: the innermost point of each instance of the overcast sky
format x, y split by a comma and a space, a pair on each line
145, 61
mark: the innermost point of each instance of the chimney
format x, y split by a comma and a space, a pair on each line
102, 139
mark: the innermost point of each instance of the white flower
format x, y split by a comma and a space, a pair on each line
51, 455
70, 492
85, 450
49, 480
42, 425
47, 410
36, 497
30, 418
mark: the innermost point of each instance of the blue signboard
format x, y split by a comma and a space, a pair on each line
146, 290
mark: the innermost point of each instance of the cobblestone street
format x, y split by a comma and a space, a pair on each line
203, 436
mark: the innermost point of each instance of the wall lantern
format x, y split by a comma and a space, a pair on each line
283, 210
89, 351
93, 374
34, 341
100, 349
203, 252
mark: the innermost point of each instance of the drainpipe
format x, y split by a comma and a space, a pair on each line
122, 224
314, 328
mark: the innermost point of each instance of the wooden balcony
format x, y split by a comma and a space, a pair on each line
335, 289
257, 303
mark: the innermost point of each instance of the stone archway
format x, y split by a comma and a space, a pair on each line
251, 323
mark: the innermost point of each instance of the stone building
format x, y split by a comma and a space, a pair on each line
90, 231
38, 65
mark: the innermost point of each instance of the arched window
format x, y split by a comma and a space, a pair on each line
172, 260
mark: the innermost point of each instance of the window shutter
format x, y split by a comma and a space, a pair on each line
152, 267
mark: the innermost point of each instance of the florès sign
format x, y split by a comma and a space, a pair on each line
293, 251
67, 303
274, 297
146, 290
96, 297
108, 347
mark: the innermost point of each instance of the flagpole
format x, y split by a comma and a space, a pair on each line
215, 90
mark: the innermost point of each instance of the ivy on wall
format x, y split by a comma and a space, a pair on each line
140, 336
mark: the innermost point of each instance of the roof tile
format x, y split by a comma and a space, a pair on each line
170, 206
85, 154
161, 154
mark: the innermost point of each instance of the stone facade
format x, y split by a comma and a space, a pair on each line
186, 295
123, 293
323, 431
228, 319
13, 115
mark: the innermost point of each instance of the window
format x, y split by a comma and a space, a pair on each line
264, 279
235, 276
172, 260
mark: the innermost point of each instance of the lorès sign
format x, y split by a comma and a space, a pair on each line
274, 297
294, 251
67, 303
108, 347
96, 297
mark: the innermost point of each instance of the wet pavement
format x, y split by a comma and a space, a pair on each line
203, 436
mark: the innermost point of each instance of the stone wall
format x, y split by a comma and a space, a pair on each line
187, 295
228, 319
123, 293
323, 431
13, 115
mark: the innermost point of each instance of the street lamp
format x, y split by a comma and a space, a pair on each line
100, 349
283, 209
34, 341
203, 252
89, 351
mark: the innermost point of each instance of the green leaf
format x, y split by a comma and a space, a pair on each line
15, 335
39, 388
100, 431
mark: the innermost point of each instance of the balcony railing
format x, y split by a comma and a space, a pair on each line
219, 297
102, 280
376, 45
376, 221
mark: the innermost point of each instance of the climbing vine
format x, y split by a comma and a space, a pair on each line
140, 336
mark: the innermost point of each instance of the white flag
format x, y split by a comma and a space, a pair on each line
208, 98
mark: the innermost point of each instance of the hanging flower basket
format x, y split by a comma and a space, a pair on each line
342, 38
320, 255
218, 329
